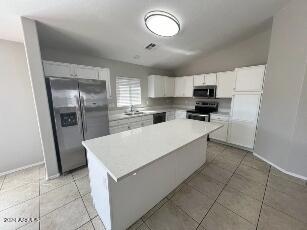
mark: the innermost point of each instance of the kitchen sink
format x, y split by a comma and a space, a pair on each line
133, 113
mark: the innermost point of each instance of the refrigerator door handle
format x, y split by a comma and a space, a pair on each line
83, 115
79, 120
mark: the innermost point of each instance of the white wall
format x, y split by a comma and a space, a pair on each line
251, 51
19, 134
282, 130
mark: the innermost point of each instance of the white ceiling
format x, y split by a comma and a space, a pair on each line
115, 29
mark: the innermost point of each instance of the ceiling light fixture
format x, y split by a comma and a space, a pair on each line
162, 23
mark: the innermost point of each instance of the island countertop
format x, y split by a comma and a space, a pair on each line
124, 153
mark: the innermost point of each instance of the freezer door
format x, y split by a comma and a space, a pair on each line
94, 107
67, 122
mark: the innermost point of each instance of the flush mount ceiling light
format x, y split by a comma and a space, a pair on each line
162, 23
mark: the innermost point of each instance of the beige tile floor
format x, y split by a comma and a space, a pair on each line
232, 191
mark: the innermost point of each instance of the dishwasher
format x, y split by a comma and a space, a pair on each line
159, 117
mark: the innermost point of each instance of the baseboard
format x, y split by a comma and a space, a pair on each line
21, 168
53, 177
231, 145
281, 169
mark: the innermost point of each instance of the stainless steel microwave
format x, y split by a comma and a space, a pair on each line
208, 91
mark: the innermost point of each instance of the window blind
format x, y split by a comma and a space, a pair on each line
128, 91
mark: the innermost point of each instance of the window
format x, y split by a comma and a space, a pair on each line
128, 91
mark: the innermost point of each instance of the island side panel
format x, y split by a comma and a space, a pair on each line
191, 158
99, 188
133, 196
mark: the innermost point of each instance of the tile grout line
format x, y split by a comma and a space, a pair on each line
39, 203
39, 195
266, 185
221, 191
169, 199
198, 191
4, 177
281, 211
83, 203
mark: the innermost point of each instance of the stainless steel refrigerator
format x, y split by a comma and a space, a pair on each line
79, 111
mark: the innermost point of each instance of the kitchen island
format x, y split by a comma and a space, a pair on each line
132, 171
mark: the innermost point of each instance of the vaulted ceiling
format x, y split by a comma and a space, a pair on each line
115, 29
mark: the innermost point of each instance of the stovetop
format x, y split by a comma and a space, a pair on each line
202, 107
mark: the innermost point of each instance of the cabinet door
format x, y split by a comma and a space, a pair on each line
245, 107
220, 134
56, 69
181, 114
242, 133
104, 74
199, 80
169, 86
188, 86
135, 125
249, 78
155, 86
179, 87
225, 84
210, 79
147, 123
86, 72
118, 129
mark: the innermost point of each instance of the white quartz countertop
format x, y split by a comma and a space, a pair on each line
124, 153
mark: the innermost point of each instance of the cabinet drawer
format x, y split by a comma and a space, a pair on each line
135, 119
147, 117
170, 113
118, 122
118, 129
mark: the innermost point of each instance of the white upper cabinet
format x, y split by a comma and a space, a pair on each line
155, 86
104, 74
86, 72
169, 86
188, 86
179, 86
160, 86
199, 80
225, 84
210, 79
57, 69
184, 86
249, 79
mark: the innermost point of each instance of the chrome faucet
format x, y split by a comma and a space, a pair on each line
131, 109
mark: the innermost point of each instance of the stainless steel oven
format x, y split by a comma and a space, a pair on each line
208, 91
197, 116
202, 110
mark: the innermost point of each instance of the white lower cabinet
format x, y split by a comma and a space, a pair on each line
147, 123
170, 115
242, 133
122, 125
135, 125
220, 134
244, 116
181, 114
118, 129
